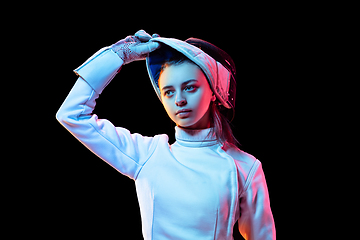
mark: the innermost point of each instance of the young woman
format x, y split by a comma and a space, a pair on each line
198, 187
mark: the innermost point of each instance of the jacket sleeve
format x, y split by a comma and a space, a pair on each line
256, 221
126, 152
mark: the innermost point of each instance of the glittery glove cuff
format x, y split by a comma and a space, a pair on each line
134, 48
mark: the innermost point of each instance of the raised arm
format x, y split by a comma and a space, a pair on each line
124, 151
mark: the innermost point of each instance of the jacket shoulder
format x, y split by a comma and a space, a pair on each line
245, 163
245, 159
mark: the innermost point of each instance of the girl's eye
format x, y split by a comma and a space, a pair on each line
168, 93
189, 88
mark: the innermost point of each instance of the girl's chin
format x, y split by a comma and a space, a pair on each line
189, 125
182, 125
185, 123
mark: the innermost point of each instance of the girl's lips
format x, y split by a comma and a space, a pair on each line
183, 113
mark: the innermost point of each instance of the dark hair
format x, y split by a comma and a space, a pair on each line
176, 58
220, 123
221, 126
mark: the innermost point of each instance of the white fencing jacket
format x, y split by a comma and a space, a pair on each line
194, 189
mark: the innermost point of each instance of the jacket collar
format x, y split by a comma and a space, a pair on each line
195, 138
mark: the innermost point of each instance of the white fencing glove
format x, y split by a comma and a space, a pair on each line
134, 48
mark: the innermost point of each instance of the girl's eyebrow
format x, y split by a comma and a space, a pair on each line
183, 84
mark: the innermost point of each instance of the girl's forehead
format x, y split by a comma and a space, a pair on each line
178, 74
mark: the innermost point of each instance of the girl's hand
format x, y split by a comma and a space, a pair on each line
134, 48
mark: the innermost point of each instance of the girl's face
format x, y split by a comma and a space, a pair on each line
186, 95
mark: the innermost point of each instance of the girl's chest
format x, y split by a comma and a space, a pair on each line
192, 179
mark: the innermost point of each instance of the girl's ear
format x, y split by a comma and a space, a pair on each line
213, 98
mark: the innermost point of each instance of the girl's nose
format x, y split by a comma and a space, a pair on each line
180, 101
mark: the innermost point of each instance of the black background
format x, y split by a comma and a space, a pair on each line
76, 194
